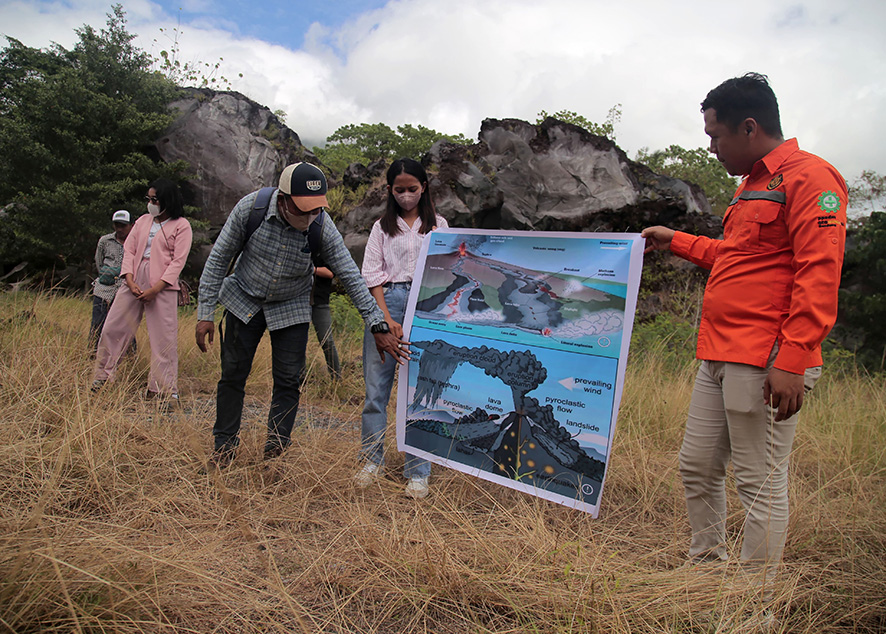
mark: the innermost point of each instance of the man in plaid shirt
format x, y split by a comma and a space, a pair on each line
269, 289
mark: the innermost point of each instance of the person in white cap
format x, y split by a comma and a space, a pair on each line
270, 289
108, 260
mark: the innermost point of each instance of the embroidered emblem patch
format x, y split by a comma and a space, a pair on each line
313, 185
829, 202
775, 182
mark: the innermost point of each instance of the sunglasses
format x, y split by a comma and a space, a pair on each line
152, 199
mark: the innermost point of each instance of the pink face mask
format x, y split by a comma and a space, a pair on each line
408, 200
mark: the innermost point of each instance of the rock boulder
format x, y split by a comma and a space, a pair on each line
233, 145
550, 177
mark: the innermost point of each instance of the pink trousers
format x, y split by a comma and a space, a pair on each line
161, 316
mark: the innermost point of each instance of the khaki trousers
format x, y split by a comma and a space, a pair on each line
728, 419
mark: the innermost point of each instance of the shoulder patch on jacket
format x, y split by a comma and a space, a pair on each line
829, 202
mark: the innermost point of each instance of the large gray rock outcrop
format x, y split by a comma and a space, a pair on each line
549, 177
233, 145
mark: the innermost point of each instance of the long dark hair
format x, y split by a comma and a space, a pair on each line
170, 197
426, 212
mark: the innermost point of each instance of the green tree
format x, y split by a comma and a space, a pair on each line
368, 142
415, 141
73, 124
867, 193
357, 143
863, 291
607, 128
696, 166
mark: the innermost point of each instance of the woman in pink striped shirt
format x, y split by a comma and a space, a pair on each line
388, 266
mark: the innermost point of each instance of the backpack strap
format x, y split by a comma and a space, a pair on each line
256, 216
315, 238
259, 209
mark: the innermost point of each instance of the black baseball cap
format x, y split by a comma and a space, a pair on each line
306, 184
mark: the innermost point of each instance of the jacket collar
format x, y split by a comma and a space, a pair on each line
776, 158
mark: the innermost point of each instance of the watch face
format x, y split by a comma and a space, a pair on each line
380, 328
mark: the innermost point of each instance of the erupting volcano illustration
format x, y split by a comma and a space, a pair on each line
526, 444
465, 287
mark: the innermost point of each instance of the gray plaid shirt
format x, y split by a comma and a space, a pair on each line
274, 272
109, 253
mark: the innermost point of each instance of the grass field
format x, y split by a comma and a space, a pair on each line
110, 521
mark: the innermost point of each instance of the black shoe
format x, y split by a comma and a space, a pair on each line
273, 450
97, 385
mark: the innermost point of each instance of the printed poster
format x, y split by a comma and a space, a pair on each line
519, 342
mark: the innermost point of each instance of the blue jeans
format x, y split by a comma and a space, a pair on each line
379, 378
287, 367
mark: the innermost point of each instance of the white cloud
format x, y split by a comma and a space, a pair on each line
450, 65
300, 84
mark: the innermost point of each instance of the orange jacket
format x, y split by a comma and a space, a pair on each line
775, 274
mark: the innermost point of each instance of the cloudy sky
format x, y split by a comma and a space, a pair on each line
449, 64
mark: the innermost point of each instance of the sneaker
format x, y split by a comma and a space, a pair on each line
170, 403
273, 451
97, 385
367, 475
417, 488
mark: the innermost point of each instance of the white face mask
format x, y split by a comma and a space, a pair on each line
408, 200
154, 209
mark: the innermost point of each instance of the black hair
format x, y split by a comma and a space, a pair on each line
748, 96
170, 197
426, 212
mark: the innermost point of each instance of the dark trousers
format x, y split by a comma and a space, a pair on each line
321, 317
100, 310
288, 369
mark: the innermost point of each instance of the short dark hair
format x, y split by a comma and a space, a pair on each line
426, 212
742, 97
170, 197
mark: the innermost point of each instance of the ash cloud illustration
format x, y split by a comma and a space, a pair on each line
525, 441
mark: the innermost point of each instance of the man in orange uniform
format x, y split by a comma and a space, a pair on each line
769, 303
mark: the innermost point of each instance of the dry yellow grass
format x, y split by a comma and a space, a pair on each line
109, 521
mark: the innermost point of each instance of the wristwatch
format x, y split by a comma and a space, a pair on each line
381, 328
